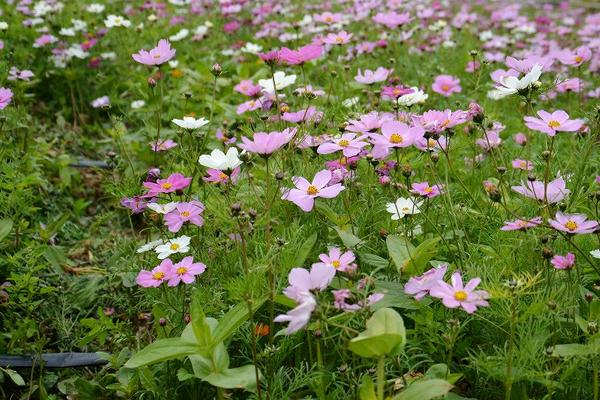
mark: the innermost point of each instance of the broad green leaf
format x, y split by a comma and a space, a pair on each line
421, 256
327, 212
425, 389
200, 327
5, 227
367, 389
440, 371
233, 319
235, 378
385, 335
399, 250
304, 250
162, 350
14, 376
373, 260
348, 238
576, 350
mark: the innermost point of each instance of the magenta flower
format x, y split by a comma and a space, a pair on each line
220, 177
248, 88
270, 58
185, 271
185, 212
575, 58
267, 143
100, 102
309, 114
5, 97
157, 56
348, 144
491, 140
158, 275
446, 85
302, 55
172, 184
563, 262
420, 286
368, 123
136, 204
163, 145
369, 77
340, 261
522, 164
521, 224
573, 223
305, 193
456, 295
393, 92
394, 134
520, 139
438, 121
553, 193
423, 189
550, 124
342, 37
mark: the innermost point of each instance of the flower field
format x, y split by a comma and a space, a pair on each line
349, 199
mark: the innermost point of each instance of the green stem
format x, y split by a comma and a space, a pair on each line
380, 377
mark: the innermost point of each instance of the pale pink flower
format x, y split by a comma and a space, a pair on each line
305, 193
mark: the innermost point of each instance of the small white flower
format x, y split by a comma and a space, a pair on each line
173, 63
137, 104
190, 122
67, 32
108, 55
281, 81
150, 246
201, 31
221, 161
416, 97
162, 208
79, 25
152, 17
595, 253
511, 84
95, 8
3, 26
352, 101
182, 34
486, 35
404, 206
173, 246
113, 21
251, 48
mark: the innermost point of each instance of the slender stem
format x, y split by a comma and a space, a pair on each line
513, 323
380, 377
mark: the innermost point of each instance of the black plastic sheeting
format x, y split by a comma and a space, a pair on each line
53, 360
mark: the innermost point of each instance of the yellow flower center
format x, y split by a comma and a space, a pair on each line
174, 246
571, 225
578, 59
158, 276
336, 263
181, 270
223, 176
396, 138
428, 190
167, 185
344, 143
339, 39
312, 190
445, 88
157, 56
185, 214
522, 224
431, 143
397, 92
460, 295
328, 19
343, 161
553, 124
523, 164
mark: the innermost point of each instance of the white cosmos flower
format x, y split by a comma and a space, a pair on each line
137, 104
281, 81
221, 161
404, 206
95, 8
150, 246
162, 208
67, 32
595, 253
251, 48
416, 97
352, 101
511, 84
173, 246
182, 34
116, 20
190, 122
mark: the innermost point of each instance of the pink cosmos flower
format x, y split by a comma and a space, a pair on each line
163, 145
394, 92
305, 193
44, 40
431, 144
550, 124
456, 295
185, 212
136, 204
338, 38
369, 123
173, 183
575, 58
158, 275
553, 193
270, 58
438, 121
521, 224
100, 102
248, 88
420, 286
394, 134
573, 223
5, 97
220, 177
348, 144
391, 19
328, 18
157, 56
569, 85
522, 164
310, 114
525, 65
446, 85
302, 55
472, 66
520, 139
369, 77
491, 140
16, 74
299, 316
563, 262
185, 271
423, 189
340, 261
340, 297
267, 143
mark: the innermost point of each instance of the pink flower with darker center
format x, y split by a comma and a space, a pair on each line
163, 145
157, 56
185, 212
394, 92
248, 88
550, 124
446, 85
220, 177
394, 134
172, 184
185, 271
423, 189
340, 38
575, 57
348, 144
369, 77
306, 192
419, 286
157, 276
340, 261
522, 164
5, 97
302, 55
456, 295
267, 143
438, 121
563, 262
573, 223
521, 224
